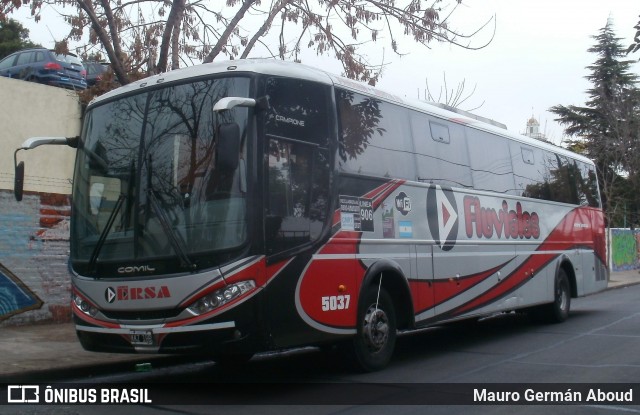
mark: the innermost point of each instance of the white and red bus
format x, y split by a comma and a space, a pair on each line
237, 207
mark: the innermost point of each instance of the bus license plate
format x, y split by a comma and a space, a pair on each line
141, 337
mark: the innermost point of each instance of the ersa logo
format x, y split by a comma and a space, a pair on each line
442, 216
126, 293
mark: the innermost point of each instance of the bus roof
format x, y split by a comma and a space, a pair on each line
300, 71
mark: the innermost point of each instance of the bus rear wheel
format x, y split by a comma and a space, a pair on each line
558, 311
373, 345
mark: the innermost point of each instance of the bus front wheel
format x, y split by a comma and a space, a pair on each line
373, 345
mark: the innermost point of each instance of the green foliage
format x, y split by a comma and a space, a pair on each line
606, 128
13, 37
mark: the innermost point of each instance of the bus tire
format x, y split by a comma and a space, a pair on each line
558, 311
87, 341
373, 345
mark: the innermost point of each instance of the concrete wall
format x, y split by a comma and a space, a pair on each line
34, 234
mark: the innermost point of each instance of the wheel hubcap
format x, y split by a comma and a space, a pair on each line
376, 328
562, 297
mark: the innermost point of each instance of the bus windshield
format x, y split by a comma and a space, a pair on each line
150, 194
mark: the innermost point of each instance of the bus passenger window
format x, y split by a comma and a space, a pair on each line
529, 172
561, 179
297, 109
440, 151
491, 170
375, 137
296, 198
587, 186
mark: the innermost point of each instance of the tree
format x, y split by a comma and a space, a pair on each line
635, 46
148, 34
452, 98
606, 128
13, 37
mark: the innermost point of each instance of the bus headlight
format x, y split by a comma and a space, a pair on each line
221, 297
83, 305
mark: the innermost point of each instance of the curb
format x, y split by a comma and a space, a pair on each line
99, 368
622, 285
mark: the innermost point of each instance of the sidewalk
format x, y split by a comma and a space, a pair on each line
37, 353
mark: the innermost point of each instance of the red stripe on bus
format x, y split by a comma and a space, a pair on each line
562, 238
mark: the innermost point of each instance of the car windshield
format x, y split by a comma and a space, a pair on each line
95, 68
69, 59
148, 186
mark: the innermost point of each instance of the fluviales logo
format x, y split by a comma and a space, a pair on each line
442, 216
487, 222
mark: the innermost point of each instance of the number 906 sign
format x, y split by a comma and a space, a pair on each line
336, 302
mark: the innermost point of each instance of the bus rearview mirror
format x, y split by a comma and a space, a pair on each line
228, 147
18, 184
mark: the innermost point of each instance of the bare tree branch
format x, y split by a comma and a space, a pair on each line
452, 98
246, 4
139, 36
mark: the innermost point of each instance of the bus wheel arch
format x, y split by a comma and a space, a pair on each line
382, 309
569, 270
396, 285
564, 288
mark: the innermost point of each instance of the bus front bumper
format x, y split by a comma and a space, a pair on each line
205, 339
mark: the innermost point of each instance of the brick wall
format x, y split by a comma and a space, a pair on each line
34, 246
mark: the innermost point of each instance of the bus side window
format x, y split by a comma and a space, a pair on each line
375, 137
440, 151
296, 198
561, 179
588, 186
297, 110
491, 170
296, 128
529, 172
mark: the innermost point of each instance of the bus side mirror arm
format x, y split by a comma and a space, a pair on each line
228, 103
31, 143
231, 102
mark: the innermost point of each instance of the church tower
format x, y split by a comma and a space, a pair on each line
533, 129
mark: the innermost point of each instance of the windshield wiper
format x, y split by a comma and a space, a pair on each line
105, 232
112, 217
174, 240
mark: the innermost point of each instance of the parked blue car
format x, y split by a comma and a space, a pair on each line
46, 67
95, 71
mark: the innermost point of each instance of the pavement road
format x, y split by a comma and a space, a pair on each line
599, 344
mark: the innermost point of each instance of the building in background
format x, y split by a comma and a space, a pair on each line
533, 130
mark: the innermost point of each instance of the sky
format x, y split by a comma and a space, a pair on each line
537, 58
